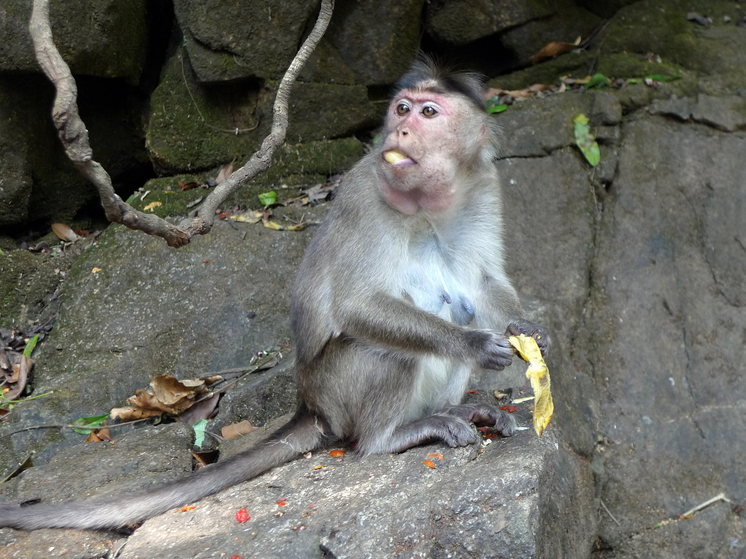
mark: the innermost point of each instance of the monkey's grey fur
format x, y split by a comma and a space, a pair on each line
401, 294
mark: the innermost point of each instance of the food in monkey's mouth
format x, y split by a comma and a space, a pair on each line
397, 158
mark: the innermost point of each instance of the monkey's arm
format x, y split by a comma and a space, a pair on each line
396, 325
503, 306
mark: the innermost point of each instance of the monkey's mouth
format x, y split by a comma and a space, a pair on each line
397, 158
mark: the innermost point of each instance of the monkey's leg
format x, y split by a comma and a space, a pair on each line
485, 416
451, 429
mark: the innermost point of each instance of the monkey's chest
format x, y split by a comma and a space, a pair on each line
441, 285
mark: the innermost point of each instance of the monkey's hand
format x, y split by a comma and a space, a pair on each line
491, 351
517, 327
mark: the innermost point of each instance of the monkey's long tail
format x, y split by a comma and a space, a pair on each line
301, 434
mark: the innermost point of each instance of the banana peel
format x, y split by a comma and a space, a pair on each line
538, 374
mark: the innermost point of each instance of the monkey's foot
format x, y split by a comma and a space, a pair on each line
483, 415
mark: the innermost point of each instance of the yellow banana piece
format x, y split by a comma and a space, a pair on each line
538, 374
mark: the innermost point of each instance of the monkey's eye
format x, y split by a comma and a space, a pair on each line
429, 111
402, 109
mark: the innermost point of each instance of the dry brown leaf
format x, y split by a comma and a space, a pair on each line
224, 173
146, 400
152, 206
235, 430
21, 375
130, 413
64, 232
171, 391
98, 436
554, 49
203, 409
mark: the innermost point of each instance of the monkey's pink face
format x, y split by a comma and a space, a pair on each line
428, 135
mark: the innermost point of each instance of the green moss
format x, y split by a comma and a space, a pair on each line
26, 280
300, 164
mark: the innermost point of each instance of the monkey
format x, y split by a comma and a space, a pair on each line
400, 296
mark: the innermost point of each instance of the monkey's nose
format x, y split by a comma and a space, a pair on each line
403, 131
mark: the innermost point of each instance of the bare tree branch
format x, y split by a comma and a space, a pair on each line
74, 135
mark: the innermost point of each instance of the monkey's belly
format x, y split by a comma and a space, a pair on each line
439, 382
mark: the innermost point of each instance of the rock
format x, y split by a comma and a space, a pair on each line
96, 38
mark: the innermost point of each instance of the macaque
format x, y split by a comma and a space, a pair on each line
400, 296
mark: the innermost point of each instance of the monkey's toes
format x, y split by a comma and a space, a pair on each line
505, 424
457, 432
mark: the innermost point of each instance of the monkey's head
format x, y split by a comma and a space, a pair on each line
436, 131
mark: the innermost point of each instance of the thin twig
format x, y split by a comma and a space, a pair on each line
71, 426
262, 159
234, 131
707, 503
609, 513
74, 135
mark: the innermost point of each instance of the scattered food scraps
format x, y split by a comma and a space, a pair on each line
242, 515
429, 464
337, 453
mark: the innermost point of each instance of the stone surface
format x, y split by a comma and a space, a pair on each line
104, 38
668, 327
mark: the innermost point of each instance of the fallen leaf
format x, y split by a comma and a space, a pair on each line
131, 413
171, 391
235, 430
429, 464
538, 374
21, 377
268, 198
86, 424
225, 172
585, 140
150, 207
248, 217
554, 49
64, 232
242, 515
204, 409
337, 453
98, 436
188, 186
199, 432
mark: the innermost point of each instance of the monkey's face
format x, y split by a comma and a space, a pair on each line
430, 137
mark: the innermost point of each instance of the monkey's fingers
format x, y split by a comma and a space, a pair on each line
538, 373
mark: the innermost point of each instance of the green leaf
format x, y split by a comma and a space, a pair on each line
494, 106
88, 424
30, 345
597, 80
199, 432
268, 198
585, 140
661, 78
